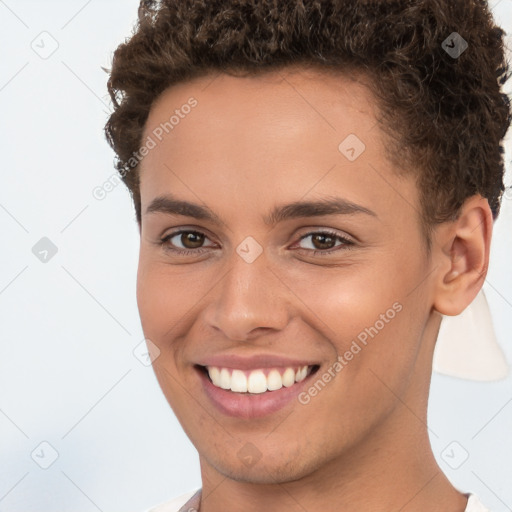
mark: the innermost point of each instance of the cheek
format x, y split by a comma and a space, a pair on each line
163, 304
374, 329
164, 298
348, 299
367, 312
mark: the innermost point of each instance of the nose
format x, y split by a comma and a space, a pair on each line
249, 300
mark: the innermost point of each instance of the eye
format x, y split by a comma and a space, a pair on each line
191, 241
322, 242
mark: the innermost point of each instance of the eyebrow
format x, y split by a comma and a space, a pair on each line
169, 205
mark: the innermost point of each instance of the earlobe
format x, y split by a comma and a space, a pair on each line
463, 256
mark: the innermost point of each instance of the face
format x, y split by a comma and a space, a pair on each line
282, 278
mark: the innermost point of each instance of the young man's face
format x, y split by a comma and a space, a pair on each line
251, 295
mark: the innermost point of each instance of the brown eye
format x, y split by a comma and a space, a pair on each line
185, 242
192, 239
323, 241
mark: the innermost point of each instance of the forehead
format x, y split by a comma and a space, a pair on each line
286, 99
289, 132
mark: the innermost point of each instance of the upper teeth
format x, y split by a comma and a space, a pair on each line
256, 381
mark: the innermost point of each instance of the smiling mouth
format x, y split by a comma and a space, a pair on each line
256, 381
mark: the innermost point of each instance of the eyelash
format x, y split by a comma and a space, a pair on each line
346, 243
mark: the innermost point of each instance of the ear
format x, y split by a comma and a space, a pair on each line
461, 250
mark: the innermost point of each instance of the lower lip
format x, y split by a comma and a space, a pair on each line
249, 405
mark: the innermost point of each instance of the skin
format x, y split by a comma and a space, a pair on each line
253, 143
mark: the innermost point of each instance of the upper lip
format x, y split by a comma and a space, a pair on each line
254, 362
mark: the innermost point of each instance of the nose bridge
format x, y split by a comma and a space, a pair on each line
249, 296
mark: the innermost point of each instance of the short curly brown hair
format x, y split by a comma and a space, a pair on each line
445, 114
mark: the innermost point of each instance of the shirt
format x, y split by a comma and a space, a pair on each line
189, 502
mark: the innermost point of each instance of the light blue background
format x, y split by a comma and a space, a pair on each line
68, 375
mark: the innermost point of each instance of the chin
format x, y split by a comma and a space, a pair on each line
279, 468
263, 475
